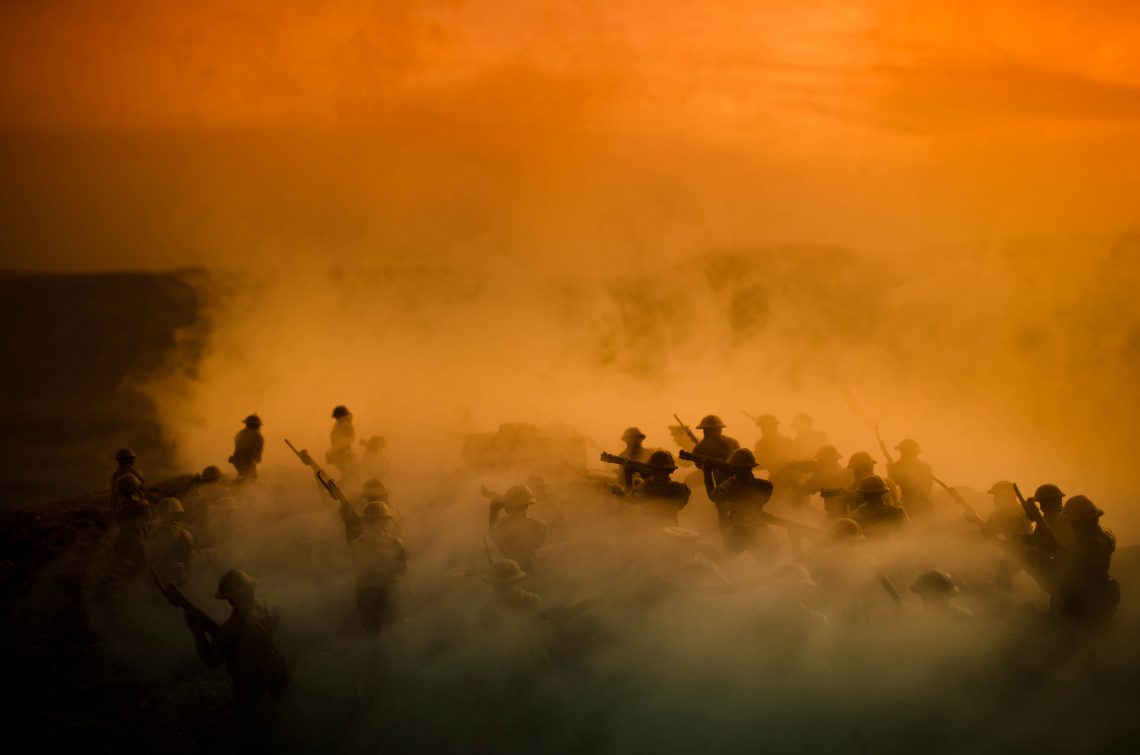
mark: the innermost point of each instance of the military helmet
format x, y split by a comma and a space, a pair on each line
377, 510
662, 460
908, 445
1047, 492
935, 582
710, 422
375, 490
860, 458
233, 583
127, 484
125, 454
1080, 507
517, 497
536, 482
682, 533
742, 458
767, 420
170, 506
375, 442
845, 529
504, 570
1001, 487
872, 485
252, 421
827, 454
632, 432
341, 411
211, 474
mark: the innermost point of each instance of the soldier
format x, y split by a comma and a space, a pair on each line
126, 460
913, 476
740, 503
1007, 517
206, 488
379, 559
550, 505
659, 497
171, 546
829, 479
374, 462
517, 535
773, 449
807, 440
937, 589
132, 513
861, 465
248, 445
877, 516
244, 643
341, 438
1083, 590
1049, 497
633, 439
714, 442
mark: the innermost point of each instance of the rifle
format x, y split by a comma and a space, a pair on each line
629, 466
708, 462
175, 597
883, 447
326, 482
749, 416
968, 510
687, 429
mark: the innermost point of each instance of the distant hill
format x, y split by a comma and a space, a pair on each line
77, 346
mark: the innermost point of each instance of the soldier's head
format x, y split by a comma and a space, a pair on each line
252, 421
211, 474
125, 457
129, 486
802, 422
633, 437
374, 490
712, 426
743, 461
872, 488
827, 456
768, 424
934, 586
844, 531
237, 587
908, 448
1081, 513
663, 464
170, 509
861, 464
504, 574
517, 500
377, 515
1049, 497
341, 412
374, 445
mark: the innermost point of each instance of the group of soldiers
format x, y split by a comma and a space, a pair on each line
755, 493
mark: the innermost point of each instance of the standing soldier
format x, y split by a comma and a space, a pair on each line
634, 450
517, 535
913, 476
877, 516
660, 497
740, 501
341, 438
131, 514
374, 461
1049, 497
126, 459
379, 560
829, 479
248, 445
171, 546
1084, 591
244, 643
715, 443
861, 465
807, 440
773, 449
